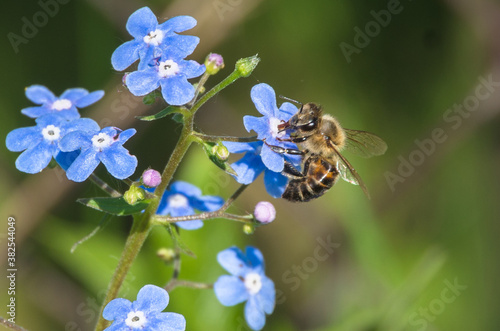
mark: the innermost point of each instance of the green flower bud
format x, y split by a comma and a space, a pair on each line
134, 194
248, 228
166, 254
220, 151
247, 65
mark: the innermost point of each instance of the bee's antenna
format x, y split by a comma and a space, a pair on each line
288, 99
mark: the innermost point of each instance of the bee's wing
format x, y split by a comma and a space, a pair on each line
364, 144
347, 172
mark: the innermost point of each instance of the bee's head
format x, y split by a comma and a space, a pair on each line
307, 118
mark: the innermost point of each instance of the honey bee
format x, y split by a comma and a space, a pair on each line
320, 140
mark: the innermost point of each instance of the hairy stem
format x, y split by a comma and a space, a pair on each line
214, 139
11, 325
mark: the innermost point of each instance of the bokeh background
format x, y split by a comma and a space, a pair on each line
421, 255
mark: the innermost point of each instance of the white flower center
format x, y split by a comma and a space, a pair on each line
101, 140
51, 133
253, 283
136, 320
168, 68
177, 200
154, 38
273, 125
61, 104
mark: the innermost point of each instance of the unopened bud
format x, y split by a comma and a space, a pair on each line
134, 194
151, 178
166, 254
221, 152
248, 228
264, 212
214, 62
247, 65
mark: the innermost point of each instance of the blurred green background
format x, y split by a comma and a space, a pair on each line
421, 255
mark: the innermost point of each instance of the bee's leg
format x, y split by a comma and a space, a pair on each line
291, 172
282, 150
294, 140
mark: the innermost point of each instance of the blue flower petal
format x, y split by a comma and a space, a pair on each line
258, 124
170, 322
233, 260
190, 225
148, 55
267, 295
255, 257
76, 140
34, 112
248, 168
142, 82
191, 69
141, 22
176, 90
264, 98
287, 110
19, 139
39, 94
65, 159
83, 166
82, 124
185, 188
275, 183
178, 24
119, 163
117, 309
74, 94
254, 315
230, 290
151, 298
35, 159
126, 54
272, 160
89, 99
186, 44
207, 203
126, 135
236, 147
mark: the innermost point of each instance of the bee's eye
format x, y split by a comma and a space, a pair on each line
309, 126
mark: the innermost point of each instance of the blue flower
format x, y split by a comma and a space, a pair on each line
250, 166
182, 199
143, 314
40, 142
152, 39
246, 283
99, 146
266, 127
171, 72
66, 105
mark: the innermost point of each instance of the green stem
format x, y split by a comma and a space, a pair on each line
215, 139
11, 325
104, 186
187, 283
143, 223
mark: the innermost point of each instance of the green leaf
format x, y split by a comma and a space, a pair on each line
211, 150
162, 113
114, 206
177, 239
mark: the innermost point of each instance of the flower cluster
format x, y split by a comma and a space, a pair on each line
77, 144
258, 156
161, 52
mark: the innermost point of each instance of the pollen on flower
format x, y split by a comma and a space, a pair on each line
136, 320
61, 104
168, 68
101, 140
51, 133
273, 125
154, 37
253, 282
177, 200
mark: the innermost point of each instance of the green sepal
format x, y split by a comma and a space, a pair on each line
151, 97
211, 150
177, 240
162, 113
115, 206
178, 118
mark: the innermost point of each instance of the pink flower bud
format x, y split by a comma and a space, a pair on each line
151, 178
264, 212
